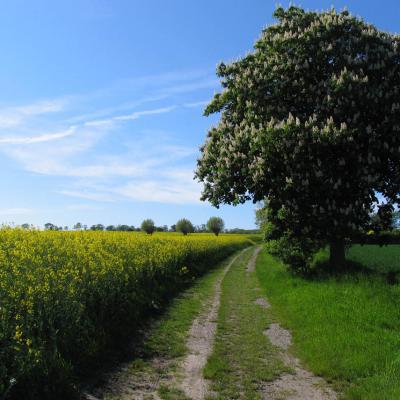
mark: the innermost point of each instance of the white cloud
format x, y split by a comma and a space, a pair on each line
104, 170
161, 185
87, 195
71, 130
196, 104
129, 117
15, 116
138, 114
168, 185
41, 107
161, 191
138, 165
47, 137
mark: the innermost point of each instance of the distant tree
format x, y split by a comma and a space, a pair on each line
78, 226
50, 227
310, 121
66, 228
184, 226
215, 225
124, 228
110, 228
25, 226
163, 228
200, 228
172, 228
148, 226
97, 227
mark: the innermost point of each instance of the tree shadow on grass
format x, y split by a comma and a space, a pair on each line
321, 269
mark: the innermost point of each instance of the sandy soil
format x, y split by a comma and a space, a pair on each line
262, 302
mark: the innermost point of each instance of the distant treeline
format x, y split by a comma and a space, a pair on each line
131, 228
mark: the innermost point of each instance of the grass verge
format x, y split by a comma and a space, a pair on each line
242, 358
345, 328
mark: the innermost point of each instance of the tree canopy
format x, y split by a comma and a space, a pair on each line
310, 121
215, 225
184, 226
148, 226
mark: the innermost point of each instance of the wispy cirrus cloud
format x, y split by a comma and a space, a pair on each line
172, 186
138, 114
196, 104
15, 116
47, 137
87, 195
160, 191
130, 117
71, 139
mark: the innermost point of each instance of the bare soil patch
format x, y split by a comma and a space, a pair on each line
298, 385
262, 302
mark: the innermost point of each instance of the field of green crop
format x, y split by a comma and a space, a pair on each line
65, 296
381, 259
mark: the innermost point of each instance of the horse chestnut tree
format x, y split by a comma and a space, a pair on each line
310, 122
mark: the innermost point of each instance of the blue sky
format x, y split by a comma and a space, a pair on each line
101, 103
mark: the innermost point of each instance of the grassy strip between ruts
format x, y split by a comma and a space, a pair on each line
242, 357
346, 329
169, 334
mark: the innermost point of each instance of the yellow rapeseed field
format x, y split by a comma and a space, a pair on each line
65, 296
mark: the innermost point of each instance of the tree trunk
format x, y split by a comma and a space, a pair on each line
337, 255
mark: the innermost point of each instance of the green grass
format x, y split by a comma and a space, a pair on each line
242, 357
167, 393
381, 259
346, 329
